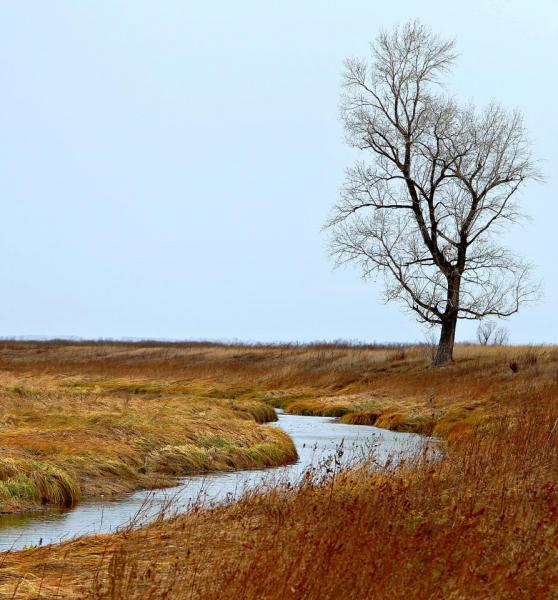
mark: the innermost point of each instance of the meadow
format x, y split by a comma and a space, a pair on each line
480, 522
65, 436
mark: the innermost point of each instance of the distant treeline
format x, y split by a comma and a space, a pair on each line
147, 342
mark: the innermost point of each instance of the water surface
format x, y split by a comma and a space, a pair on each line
317, 440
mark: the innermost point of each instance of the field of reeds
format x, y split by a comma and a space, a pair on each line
480, 522
65, 436
388, 386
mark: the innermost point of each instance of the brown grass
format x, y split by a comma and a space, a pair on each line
479, 523
63, 438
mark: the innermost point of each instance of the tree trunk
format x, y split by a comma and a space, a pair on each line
444, 353
449, 320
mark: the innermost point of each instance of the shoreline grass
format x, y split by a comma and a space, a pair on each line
480, 523
64, 439
108, 416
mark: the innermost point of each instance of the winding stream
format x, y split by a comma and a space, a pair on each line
316, 439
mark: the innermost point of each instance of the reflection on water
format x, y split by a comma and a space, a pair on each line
316, 439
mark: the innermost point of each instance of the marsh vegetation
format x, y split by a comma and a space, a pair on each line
480, 522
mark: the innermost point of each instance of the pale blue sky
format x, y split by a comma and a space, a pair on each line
166, 165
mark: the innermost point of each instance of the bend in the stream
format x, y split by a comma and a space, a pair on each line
316, 438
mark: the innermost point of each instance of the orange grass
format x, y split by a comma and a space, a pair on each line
102, 413
63, 438
480, 523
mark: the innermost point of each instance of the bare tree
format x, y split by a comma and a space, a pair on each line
439, 184
431, 342
501, 336
485, 330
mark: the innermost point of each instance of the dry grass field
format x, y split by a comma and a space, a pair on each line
482, 522
64, 437
389, 387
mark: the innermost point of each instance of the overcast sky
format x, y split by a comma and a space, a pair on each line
166, 166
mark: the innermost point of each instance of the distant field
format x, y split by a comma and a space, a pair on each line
391, 387
480, 523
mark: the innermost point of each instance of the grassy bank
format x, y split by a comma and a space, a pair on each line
82, 419
64, 438
480, 523
391, 387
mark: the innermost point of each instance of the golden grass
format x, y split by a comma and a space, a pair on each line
108, 416
65, 438
479, 523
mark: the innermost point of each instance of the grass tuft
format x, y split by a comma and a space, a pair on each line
360, 417
27, 481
